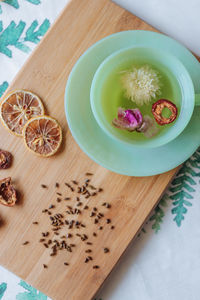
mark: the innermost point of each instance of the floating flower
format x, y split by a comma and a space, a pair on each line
132, 120
148, 127
128, 119
141, 85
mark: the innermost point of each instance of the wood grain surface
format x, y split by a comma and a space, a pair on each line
81, 24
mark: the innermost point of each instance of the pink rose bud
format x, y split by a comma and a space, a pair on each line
129, 119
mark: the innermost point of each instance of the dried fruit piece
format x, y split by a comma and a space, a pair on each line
42, 135
128, 119
17, 108
5, 159
148, 127
8, 194
157, 110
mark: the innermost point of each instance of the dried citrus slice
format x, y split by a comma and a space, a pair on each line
17, 108
42, 135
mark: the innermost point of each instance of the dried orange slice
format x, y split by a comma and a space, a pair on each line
17, 108
42, 135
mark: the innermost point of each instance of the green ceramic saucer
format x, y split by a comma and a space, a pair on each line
94, 142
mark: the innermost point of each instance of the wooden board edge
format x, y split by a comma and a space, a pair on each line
138, 231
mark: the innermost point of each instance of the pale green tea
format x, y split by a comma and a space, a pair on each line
113, 96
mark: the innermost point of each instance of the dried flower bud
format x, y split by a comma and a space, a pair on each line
128, 119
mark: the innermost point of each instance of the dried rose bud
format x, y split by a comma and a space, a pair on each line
5, 159
132, 120
128, 119
8, 195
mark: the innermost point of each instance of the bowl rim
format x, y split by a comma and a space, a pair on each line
152, 143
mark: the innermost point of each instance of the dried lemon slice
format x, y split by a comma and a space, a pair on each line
17, 108
42, 135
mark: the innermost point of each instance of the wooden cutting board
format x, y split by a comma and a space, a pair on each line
81, 24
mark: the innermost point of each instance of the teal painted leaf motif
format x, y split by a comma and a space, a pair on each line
33, 35
36, 2
187, 203
25, 285
192, 172
13, 3
181, 195
187, 169
179, 211
157, 218
143, 230
1, 26
158, 214
3, 87
182, 187
30, 293
197, 156
195, 164
10, 37
183, 178
3, 287
188, 187
24, 296
0, 9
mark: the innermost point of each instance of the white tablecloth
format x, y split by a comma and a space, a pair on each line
163, 262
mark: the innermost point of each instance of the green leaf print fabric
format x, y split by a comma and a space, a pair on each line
12, 35
3, 87
30, 293
163, 262
15, 3
3, 287
33, 34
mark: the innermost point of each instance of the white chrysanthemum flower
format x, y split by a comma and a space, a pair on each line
142, 84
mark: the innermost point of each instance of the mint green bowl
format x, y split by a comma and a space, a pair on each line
105, 151
166, 62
